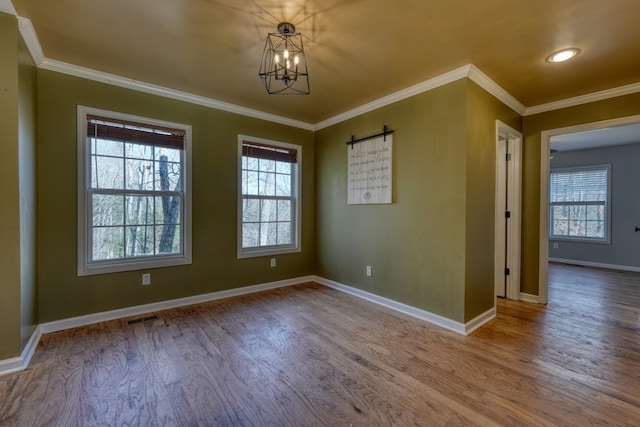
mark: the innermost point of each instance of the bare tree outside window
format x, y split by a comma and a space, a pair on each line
135, 190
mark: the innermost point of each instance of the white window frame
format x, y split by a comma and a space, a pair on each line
295, 246
607, 209
88, 267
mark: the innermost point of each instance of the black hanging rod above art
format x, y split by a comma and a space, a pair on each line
383, 134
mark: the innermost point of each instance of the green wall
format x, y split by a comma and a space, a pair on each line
215, 267
10, 205
433, 247
533, 125
27, 176
483, 109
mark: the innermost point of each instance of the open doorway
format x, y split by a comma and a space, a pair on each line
620, 131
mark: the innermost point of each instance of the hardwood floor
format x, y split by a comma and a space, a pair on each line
309, 355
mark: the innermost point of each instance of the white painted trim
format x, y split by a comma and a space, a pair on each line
471, 71
596, 264
7, 7
427, 85
435, 319
494, 89
479, 321
17, 364
10, 366
89, 319
30, 38
545, 145
583, 99
112, 79
31, 346
529, 298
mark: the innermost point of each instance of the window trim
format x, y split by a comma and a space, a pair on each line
84, 266
262, 251
607, 223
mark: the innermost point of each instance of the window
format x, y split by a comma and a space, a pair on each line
269, 202
579, 204
133, 184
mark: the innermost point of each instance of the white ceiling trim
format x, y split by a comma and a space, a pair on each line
7, 7
31, 40
99, 76
492, 87
471, 71
441, 80
583, 99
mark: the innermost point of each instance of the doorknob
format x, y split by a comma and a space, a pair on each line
637, 228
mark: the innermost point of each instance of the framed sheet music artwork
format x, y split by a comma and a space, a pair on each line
369, 171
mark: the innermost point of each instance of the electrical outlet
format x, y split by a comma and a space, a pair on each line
369, 271
555, 245
273, 262
146, 279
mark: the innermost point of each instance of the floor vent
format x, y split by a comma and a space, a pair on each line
142, 319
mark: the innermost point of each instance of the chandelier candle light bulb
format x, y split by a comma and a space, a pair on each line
287, 76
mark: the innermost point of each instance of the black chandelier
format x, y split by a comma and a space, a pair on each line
284, 68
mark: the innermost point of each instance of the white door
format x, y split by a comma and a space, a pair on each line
508, 207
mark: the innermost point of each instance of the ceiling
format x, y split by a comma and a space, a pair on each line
357, 50
596, 138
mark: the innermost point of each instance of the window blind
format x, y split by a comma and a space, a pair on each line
269, 152
122, 130
588, 185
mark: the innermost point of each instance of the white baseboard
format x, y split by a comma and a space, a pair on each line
89, 319
596, 264
480, 320
17, 364
452, 325
529, 298
21, 363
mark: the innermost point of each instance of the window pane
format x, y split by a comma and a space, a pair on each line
167, 175
284, 233
251, 210
267, 165
252, 163
283, 167
250, 235
108, 243
139, 210
267, 184
168, 210
108, 148
107, 172
168, 239
268, 210
284, 210
251, 185
107, 209
268, 233
140, 240
172, 155
139, 174
138, 151
283, 185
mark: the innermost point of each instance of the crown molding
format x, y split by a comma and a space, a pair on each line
468, 71
7, 7
425, 86
112, 79
30, 38
583, 99
494, 89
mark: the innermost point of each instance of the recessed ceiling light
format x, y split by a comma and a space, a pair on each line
563, 55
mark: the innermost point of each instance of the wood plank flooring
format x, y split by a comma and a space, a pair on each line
312, 356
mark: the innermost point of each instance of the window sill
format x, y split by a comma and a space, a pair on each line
132, 265
266, 251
